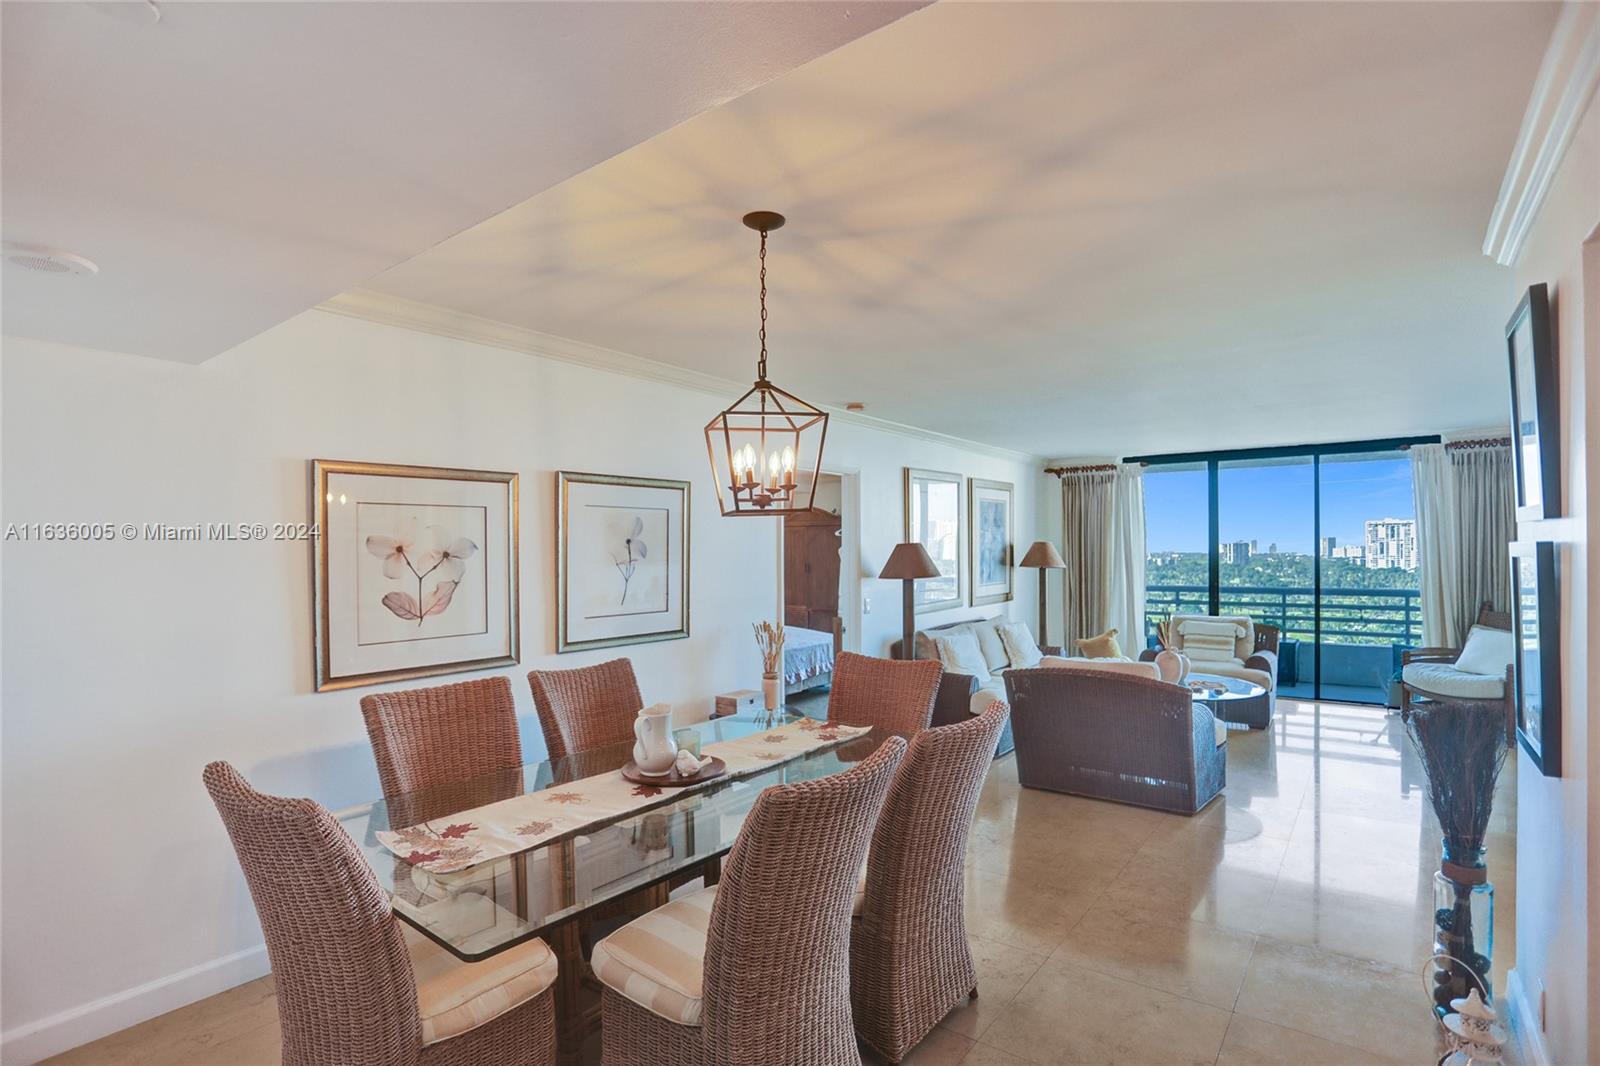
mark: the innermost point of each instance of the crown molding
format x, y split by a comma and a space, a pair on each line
458, 325
1562, 92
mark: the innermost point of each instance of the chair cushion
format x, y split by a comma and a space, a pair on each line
1118, 666
455, 997
989, 642
958, 651
658, 961
1104, 646
986, 695
1487, 651
1445, 680
1238, 670
1021, 648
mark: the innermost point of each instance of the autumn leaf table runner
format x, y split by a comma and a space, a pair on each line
450, 845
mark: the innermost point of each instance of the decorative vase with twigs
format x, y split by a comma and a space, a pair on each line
1462, 747
769, 638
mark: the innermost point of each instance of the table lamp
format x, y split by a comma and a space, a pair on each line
1043, 556
907, 563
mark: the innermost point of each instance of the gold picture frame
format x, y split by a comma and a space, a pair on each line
622, 537
361, 508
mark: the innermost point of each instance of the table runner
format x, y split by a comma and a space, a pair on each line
461, 841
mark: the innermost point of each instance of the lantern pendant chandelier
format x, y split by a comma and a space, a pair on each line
766, 448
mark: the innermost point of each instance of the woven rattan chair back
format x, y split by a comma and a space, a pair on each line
590, 707
894, 695
777, 966
909, 958
344, 984
444, 749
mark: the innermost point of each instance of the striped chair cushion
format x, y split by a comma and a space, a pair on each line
455, 997
658, 961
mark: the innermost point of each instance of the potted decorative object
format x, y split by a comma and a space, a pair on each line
769, 638
1462, 747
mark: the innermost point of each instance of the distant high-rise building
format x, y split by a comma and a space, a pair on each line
1272, 549
1391, 544
1236, 552
1326, 545
1353, 552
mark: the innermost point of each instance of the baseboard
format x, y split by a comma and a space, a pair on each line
27, 1044
1522, 1016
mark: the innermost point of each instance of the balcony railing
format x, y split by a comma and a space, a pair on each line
1349, 616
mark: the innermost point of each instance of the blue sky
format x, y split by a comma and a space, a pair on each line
1273, 504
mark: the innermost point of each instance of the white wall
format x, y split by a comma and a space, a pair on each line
130, 665
1558, 908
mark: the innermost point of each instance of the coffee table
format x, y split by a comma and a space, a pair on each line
1231, 699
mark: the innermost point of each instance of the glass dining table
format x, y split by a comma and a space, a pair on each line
609, 869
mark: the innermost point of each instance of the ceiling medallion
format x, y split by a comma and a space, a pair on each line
766, 447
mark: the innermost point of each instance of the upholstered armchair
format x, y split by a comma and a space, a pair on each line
1253, 656
1488, 674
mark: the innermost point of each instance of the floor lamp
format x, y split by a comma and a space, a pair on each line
1043, 556
908, 563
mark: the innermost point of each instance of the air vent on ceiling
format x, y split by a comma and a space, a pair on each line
47, 260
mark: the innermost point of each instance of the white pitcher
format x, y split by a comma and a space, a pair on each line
654, 751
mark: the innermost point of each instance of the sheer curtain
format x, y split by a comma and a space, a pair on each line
1465, 519
1102, 542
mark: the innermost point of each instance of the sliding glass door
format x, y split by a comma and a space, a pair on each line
1319, 541
1266, 540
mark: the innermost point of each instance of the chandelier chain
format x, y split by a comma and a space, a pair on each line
761, 366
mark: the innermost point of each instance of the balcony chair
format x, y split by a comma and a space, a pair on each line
1482, 670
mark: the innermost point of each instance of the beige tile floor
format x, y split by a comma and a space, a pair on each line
1284, 924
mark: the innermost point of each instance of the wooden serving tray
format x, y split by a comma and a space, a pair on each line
712, 767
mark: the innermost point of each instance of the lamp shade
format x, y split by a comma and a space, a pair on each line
908, 562
1044, 556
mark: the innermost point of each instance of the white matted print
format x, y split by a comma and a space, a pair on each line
622, 560
990, 509
416, 572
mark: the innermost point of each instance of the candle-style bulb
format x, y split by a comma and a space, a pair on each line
788, 458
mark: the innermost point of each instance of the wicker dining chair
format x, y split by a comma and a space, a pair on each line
352, 989
754, 970
589, 707
444, 749
910, 963
895, 695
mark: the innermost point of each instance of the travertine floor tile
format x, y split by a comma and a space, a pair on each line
1374, 1007
1002, 971
1069, 1016
1251, 1042
1199, 962
939, 1048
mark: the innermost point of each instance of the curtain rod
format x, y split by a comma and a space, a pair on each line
1101, 468
1477, 442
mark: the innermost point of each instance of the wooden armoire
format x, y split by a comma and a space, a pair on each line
811, 570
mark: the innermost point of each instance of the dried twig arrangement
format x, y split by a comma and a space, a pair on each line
769, 638
1462, 748
1164, 632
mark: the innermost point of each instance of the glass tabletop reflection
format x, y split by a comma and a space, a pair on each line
498, 904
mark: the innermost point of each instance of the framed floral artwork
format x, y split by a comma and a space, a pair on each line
622, 560
934, 520
990, 512
415, 573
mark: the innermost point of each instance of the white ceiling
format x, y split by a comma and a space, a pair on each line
1067, 228
233, 164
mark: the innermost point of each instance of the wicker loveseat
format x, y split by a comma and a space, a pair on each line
1116, 736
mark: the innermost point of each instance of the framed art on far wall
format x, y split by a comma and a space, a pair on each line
934, 520
1536, 626
622, 560
991, 515
415, 572
1535, 408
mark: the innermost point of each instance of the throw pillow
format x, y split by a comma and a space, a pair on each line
1487, 651
989, 642
1104, 646
960, 654
1021, 648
